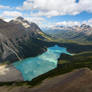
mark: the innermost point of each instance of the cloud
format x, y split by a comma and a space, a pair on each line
57, 7
85, 5
37, 20
4, 7
72, 23
27, 5
68, 23
88, 22
48, 14
34, 19
11, 14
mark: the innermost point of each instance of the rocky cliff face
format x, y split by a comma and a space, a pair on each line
16, 39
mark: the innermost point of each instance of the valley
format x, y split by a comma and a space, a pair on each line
33, 43
17, 41
45, 46
81, 34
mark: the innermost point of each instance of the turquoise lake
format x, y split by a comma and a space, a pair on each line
35, 66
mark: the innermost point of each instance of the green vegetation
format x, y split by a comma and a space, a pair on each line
83, 59
66, 64
70, 63
71, 35
5, 63
33, 47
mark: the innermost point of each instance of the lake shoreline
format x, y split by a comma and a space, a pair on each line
69, 49
8, 73
38, 65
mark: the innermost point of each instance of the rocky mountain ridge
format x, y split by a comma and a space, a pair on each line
17, 38
83, 32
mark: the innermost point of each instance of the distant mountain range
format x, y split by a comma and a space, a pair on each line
19, 39
79, 33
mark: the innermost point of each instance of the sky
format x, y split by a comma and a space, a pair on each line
48, 13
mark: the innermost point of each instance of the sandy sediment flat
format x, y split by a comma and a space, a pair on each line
79, 80
9, 73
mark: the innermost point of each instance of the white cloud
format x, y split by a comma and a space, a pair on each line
57, 7
89, 22
11, 14
68, 23
34, 19
27, 5
48, 14
4, 7
37, 20
72, 23
85, 5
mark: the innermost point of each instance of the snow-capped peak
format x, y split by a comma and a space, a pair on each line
21, 20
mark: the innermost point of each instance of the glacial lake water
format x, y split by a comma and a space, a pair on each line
35, 66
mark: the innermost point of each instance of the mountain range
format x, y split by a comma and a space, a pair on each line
19, 39
81, 33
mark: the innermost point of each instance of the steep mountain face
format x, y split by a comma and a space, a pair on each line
78, 33
17, 39
31, 28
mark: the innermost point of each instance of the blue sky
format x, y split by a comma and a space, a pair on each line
44, 13
12, 3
